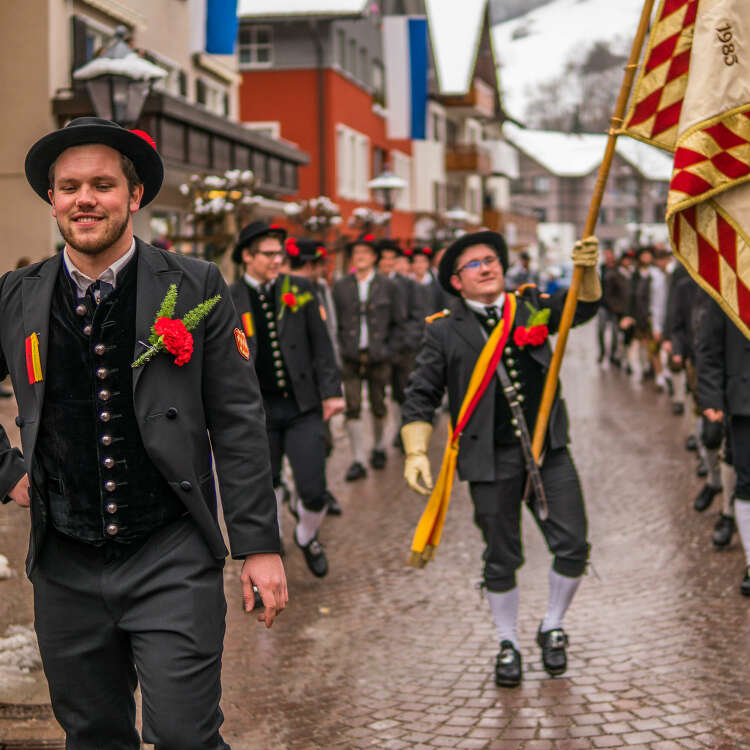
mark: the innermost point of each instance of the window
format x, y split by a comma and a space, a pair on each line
255, 46
378, 160
210, 96
541, 184
352, 163
363, 72
451, 132
660, 211
540, 213
437, 127
341, 49
438, 197
200, 91
183, 84
95, 41
401, 165
603, 216
352, 67
377, 77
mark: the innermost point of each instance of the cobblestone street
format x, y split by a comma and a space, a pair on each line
381, 655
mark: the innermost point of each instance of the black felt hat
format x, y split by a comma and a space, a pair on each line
448, 262
135, 144
365, 239
253, 231
303, 251
425, 250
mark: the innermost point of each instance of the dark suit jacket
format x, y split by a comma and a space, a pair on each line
386, 318
215, 394
450, 349
415, 307
723, 364
304, 341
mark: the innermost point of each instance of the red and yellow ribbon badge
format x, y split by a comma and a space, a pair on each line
33, 360
430, 526
247, 324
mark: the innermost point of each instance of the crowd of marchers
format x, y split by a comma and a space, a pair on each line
658, 326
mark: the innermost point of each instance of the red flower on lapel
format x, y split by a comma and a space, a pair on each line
177, 339
289, 299
531, 336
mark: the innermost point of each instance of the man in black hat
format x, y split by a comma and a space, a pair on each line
371, 314
391, 255
491, 454
126, 554
299, 379
435, 297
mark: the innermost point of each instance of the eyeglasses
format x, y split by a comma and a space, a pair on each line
271, 254
475, 265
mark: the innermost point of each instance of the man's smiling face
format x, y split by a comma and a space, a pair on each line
91, 199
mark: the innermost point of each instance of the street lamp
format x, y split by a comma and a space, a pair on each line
387, 183
457, 216
118, 81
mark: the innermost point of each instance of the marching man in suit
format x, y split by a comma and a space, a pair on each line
492, 454
299, 379
122, 357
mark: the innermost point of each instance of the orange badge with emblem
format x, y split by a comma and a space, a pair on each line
242, 346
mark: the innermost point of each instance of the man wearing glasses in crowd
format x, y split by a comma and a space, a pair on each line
491, 453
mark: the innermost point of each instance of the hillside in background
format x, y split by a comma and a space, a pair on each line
560, 64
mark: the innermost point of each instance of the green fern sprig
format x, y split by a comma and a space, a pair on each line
165, 311
199, 312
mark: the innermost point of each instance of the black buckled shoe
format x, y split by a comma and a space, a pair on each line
553, 643
378, 459
691, 444
745, 585
705, 497
678, 408
334, 509
315, 556
508, 666
356, 471
723, 531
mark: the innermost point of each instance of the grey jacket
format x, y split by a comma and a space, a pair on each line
215, 395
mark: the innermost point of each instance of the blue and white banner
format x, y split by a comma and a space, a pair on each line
221, 26
405, 52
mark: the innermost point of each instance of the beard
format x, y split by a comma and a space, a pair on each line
94, 245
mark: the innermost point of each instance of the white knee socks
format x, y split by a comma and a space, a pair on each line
279, 492
728, 482
504, 609
309, 523
742, 517
562, 589
355, 429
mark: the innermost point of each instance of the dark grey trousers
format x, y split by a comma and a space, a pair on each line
109, 619
497, 512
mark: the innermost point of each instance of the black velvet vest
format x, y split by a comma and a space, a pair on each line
100, 483
528, 376
273, 376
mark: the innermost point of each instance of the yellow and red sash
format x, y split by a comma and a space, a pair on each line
430, 526
247, 324
33, 360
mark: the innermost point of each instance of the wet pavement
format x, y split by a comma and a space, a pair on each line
384, 656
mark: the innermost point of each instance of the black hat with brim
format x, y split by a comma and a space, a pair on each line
135, 144
253, 231
303, 251
364, 239
448, 262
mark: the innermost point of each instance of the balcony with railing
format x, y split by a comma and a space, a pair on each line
468, 157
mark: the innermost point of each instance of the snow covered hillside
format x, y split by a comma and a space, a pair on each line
535, 48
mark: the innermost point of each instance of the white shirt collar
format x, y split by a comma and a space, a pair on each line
109, 275
370, 276
480, 307
252, 281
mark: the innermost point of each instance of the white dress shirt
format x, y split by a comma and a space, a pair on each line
481, 307
363, 288
109, 275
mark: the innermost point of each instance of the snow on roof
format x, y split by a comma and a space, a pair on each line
535, 48
455, 32
278, 8
572, 155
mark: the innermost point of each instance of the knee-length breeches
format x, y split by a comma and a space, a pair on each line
497, 512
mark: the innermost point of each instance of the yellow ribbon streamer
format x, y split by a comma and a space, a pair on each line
430, 527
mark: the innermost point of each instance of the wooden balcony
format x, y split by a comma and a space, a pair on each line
522, 227
468, 157
479, 101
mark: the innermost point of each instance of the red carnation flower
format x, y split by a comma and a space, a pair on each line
537, 335
521, 337
146, 137
289, 299
321, 251
177, 339
274, 226
369, 238
291, 247
427, 250
408, 253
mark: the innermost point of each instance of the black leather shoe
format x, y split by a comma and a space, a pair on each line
378, 459
553, 643
356, 471
723, 531
508, 666
691, 444
334, 509
705, 497
315, 556
678, 408
745, 585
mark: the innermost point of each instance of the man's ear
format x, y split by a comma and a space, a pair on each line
456, 282
135, 198
247, 256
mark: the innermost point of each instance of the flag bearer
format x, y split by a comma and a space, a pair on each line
496, 435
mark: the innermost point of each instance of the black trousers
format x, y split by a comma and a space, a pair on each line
301, 436
740, 435
106, 622
497, 512
402, 367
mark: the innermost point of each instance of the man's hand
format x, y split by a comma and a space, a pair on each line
416, 465
266, 571
586, 255
666, 345
332, 407
626, 322
713, 415
20, 493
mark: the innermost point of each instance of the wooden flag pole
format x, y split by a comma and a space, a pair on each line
571, 300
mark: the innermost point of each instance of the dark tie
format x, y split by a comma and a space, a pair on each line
98, 291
